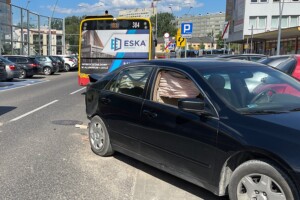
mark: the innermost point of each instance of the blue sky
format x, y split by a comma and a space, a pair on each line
66, 8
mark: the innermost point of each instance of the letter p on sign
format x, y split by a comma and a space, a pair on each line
186, 28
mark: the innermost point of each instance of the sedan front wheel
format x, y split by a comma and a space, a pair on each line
257, 179
99, 138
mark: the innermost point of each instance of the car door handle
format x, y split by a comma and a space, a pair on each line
149, 114
105, 100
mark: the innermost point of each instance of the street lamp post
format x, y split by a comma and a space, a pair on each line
50, 29
156, 18
279, 27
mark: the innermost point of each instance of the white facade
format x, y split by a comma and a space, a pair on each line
138, 12
262, 15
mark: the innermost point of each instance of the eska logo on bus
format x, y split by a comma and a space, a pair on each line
116, 44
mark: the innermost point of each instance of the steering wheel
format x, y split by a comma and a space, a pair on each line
265, 93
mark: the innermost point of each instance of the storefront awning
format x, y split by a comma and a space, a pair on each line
286, 33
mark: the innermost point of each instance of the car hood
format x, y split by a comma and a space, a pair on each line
290, 119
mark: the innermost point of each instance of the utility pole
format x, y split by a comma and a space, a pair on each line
279, 27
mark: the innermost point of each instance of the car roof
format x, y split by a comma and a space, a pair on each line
240, 55
199, 63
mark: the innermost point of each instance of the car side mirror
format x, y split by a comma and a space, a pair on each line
194, 105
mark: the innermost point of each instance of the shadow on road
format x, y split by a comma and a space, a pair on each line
6, 109
184, 185
37, 77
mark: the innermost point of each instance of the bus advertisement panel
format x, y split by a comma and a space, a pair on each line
108, 43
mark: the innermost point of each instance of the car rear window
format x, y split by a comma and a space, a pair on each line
287, 66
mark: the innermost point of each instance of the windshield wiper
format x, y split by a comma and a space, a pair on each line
263, 112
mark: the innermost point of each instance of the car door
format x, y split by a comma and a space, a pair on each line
120, 105
180, 142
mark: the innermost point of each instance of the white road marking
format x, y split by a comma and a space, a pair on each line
77, 91
81, 126
37, 109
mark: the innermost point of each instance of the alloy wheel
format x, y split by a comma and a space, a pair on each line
97, 135
259, 187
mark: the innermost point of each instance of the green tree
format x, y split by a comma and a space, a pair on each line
219, 40
72, 32
164, 24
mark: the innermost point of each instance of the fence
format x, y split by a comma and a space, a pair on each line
23, 32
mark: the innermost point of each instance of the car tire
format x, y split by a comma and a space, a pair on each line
23, 74
262, 180
99, 137
67, 67
47, 71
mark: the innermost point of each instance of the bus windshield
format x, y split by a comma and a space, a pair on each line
108, 43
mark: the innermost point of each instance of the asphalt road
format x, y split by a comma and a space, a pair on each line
44, 156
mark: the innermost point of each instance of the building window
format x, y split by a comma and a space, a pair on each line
252, 22
284, 21
274, 22
262, 22
258, 22
253, 1
294, 21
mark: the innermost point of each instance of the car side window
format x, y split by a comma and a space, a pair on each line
22, 60
170, 86
131, 81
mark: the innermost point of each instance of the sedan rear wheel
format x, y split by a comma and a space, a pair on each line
255, 180
99, 138
67, 67
47, 71
23, 74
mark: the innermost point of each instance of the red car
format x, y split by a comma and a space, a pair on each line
291, 66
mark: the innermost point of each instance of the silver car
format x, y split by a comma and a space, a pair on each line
12, 70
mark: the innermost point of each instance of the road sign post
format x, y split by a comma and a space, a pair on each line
186, 32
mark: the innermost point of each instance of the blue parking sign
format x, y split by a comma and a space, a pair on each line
186, 28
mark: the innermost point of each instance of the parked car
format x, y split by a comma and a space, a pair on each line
228, 126
291, 66
273, 60
70, 62
2, 71
59, 62
28, 66
48, 67
250, 57
12, 70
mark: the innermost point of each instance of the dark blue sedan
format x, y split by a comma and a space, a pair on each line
229, 126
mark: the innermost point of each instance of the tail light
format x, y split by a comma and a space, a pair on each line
34, 65
12, 67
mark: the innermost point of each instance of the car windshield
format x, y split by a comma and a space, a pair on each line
254, 89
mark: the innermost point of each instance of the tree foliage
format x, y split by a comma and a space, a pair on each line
219, 40
72, 32
165, 24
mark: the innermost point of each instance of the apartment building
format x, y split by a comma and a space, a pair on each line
211, 23
138, 12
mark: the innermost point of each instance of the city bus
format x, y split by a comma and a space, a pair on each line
106, 43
